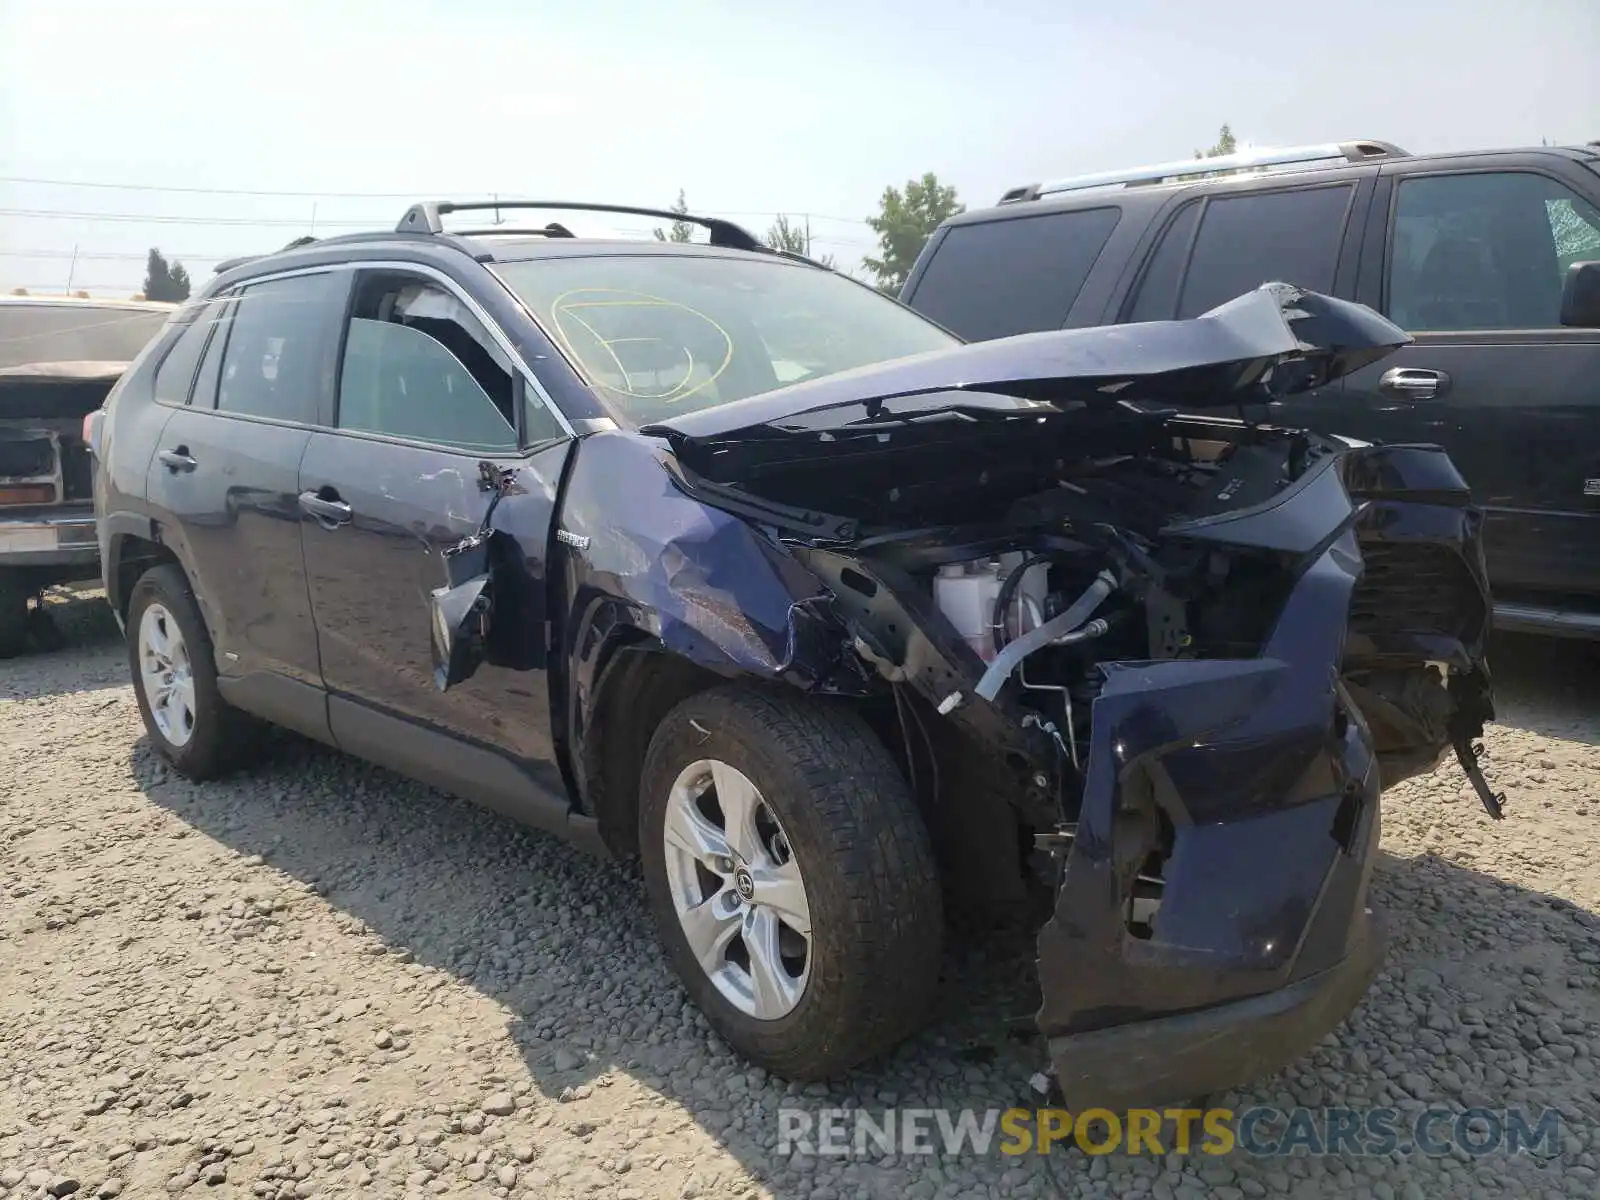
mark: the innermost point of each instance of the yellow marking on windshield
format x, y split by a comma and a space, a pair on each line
564, 305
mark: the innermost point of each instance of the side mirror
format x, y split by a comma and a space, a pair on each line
1580, 297
459, 614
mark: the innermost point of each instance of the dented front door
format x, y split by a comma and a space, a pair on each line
373, 564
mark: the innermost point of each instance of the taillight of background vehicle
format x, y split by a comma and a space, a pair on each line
91, 429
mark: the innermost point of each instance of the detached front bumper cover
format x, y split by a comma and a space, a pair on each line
1186, 1057
1266, 775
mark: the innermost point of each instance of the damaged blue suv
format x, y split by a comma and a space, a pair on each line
708, 554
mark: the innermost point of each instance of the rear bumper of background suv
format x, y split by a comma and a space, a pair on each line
61, 540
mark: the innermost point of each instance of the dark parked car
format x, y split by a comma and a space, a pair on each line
59, 357
1490, 260
538, 519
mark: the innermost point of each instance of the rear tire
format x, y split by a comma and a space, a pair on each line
175, 679
834, 816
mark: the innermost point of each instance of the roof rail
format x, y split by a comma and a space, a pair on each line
379, 236
229, 264
424, 218
553, 230
1246, 162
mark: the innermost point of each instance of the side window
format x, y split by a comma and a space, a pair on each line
418, 365
1485, 251
275, 361
1255, 238
175, 375
1016, 275
1157, 298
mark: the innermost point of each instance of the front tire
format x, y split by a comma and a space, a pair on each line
791, 877
175, 679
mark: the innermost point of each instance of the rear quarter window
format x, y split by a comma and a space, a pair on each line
993, 279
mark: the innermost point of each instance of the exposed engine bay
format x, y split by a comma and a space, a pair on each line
1126, 556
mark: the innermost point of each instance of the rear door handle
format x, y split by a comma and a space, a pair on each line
178, 459
1414, 383
328, 509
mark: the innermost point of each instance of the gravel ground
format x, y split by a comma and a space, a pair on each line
322, 980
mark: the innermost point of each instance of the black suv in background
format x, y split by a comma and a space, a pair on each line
710, 554
1490, 260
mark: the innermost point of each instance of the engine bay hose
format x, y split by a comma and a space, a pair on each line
1041, 636
1002, 602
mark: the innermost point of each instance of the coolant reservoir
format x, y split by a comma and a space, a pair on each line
966, 594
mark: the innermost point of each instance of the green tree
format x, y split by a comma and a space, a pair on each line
1226, 144
679, 231
795, 238
904, 223
164, 281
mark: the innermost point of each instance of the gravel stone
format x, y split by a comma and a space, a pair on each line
314, 978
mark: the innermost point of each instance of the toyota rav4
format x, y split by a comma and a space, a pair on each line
710, 554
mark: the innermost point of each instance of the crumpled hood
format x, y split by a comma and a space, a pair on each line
1269, 343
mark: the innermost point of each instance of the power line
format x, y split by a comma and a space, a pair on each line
111, 255
209, 191
235, 222
171, 219
413, 196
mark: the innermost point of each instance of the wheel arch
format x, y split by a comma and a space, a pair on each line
131, 549
635, 686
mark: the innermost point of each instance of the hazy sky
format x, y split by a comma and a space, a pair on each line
753, 107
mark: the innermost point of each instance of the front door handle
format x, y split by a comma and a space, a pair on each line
177, 459
1414, 383
326, 506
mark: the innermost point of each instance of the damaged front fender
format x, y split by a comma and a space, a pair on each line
645, 564
652, 562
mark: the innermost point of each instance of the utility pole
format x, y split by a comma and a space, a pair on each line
72, 268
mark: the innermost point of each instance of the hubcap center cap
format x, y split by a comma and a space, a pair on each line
745, 884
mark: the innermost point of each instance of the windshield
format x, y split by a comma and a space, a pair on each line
59, 333
661, 335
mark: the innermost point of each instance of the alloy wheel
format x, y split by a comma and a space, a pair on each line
166, 675
737, 889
